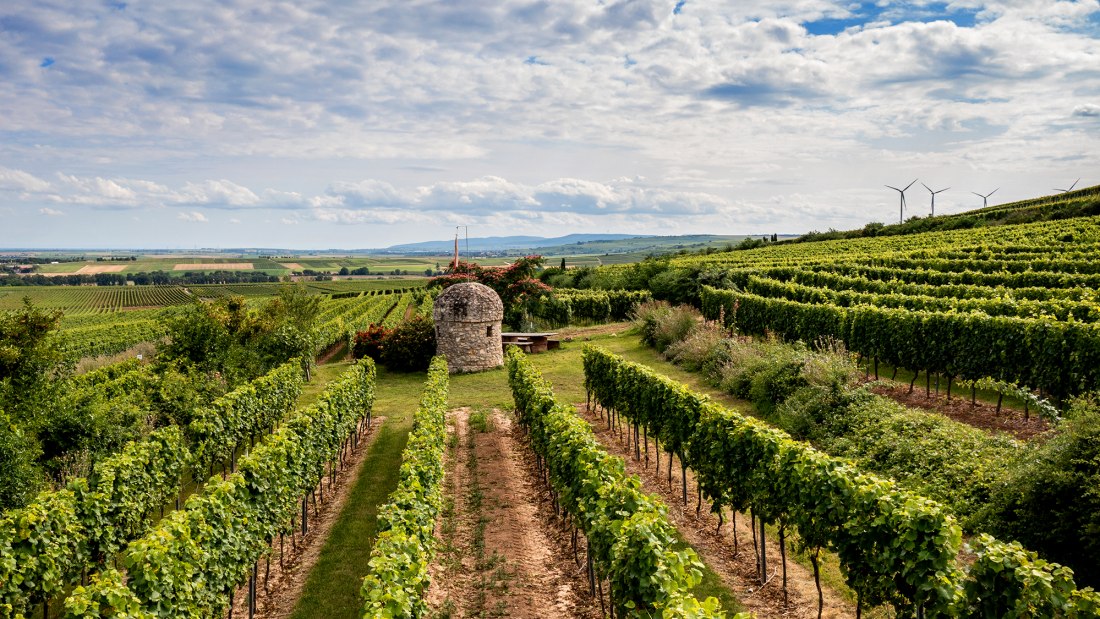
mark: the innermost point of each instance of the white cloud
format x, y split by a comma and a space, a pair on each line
49, 212
493, 195
218, 193
18, 180
1087, 110
192, 216
483, 110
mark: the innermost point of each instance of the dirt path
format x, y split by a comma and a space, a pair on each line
981, 415
340, 349
737, 571
277, 592
500, 554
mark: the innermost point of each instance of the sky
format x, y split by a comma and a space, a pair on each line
334, 124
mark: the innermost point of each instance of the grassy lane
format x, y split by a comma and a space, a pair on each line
332, 589
320, 377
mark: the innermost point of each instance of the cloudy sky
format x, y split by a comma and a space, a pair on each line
317, 123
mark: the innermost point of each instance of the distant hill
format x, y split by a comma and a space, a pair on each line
1083, 202
502, 243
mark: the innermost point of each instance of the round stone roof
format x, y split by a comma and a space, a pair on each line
468, 302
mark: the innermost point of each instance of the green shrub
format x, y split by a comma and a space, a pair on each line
699, 348
410, 346
663, 325
1052, 504
19, 475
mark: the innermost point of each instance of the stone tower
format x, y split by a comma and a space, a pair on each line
467, 327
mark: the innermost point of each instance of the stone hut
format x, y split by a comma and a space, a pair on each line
467, 327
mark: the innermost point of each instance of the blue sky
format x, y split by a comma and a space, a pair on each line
313, 124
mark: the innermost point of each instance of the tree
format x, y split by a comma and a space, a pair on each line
228, 339
514, 284
291, 320
562, 267
30, 359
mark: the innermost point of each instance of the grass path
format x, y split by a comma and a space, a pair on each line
332, 588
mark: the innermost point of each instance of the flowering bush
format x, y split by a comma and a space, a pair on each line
515, 284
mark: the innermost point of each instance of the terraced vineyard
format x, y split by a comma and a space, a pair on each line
1016, 304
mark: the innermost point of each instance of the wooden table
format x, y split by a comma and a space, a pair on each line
530, 342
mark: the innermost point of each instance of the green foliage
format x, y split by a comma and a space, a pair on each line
946, 460
28, 356
893, 546
398, 576
813, 394
1008, 581
662, 324
410, 346
114, 501
290, 325
20, 476
629, 536
93, 518
39, 546
1051, 501
188, 565
106, 596
227, 337
250, 410
566, 306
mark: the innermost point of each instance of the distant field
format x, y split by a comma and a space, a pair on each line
178, 264
89, 269
213, 266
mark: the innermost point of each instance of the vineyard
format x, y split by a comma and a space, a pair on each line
81, 300
88, 332
1015, 304
894, 547
531, 489
95, 299
50, 544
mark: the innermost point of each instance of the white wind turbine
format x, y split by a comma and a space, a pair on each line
901, 206
1070, 187
985, 198
934, 196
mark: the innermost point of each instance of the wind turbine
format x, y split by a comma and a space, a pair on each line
1070, 187
901, 207
934, 196
985, 198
